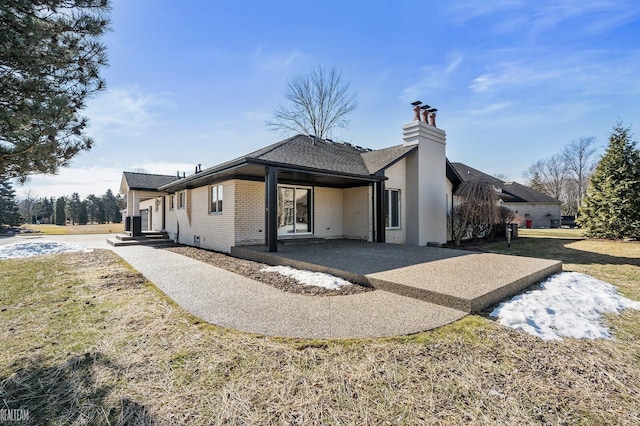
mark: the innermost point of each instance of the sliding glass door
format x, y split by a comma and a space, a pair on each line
294, 210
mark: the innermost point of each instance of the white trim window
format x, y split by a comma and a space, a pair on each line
182, 199
215, 199
172, 202
392, 209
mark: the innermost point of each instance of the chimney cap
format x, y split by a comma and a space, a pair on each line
416, 103
425, 106
433, 110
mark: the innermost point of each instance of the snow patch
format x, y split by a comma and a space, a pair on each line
309, 278
36, 248
568, 304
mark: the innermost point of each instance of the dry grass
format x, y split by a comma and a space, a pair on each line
92, 343
575, 233
105, 228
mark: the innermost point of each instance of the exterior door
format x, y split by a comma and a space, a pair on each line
144, 219
294, 210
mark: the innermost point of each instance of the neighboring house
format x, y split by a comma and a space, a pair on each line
304, 187
528, 204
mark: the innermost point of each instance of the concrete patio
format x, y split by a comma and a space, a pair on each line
459, 279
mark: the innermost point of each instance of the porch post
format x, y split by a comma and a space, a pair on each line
379, 208
271, 209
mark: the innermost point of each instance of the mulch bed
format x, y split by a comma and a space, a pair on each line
251, 269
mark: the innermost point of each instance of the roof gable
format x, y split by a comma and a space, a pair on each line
144, 181
519, 193
381, 159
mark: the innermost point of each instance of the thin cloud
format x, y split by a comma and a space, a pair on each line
536, 17
164, 168
454, 63
266, 60
127, 111
83, 180
433, 78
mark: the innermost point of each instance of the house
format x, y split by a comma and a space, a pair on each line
304, 187
532, 208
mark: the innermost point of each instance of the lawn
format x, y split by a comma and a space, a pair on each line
92, 228
575, 233
88, 340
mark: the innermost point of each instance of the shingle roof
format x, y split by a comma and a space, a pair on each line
310, 154
382, 158
146, 181
519, 193
315, 153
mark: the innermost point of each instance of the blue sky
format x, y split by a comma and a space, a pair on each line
194, 81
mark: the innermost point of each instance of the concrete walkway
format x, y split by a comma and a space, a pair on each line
233, 301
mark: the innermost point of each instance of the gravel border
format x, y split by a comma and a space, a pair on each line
251, 269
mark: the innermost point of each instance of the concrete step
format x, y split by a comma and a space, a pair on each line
116, 242
154, 233
156, 236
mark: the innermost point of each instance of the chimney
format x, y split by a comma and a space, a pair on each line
426, 205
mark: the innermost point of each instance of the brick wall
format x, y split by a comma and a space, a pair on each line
215, 230
328, 208
250, 205
357, 211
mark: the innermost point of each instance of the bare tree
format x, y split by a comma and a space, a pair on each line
27, 205
550, 175
580, 159
319, 102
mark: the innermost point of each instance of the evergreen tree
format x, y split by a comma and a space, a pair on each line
110, 205
50, 58
73, 208
45, 210
9, 214
536, 182
92, 207
101, 216
82, 214
611, 208
61, 219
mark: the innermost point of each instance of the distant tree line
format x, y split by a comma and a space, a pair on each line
604, 192
565, 175
71, 209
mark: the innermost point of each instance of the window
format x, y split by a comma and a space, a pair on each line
172, 202
182, 199
215, 199
294, 210
392, 209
